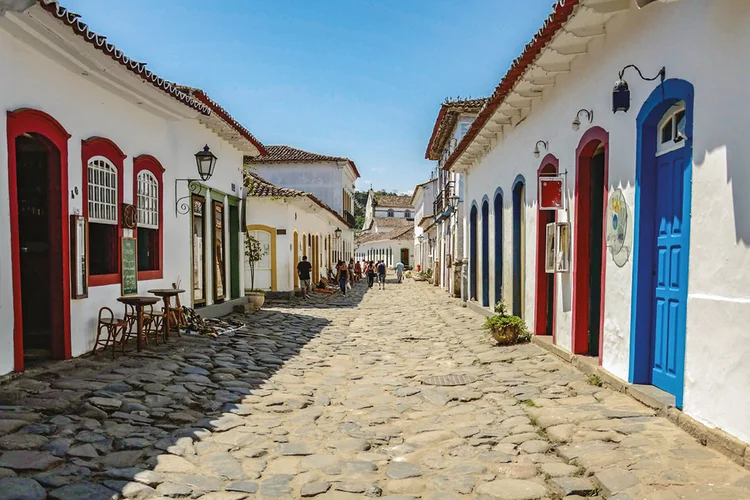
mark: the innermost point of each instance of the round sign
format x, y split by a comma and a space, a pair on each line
617, 214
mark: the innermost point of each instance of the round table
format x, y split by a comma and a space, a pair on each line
167, 294
138, 302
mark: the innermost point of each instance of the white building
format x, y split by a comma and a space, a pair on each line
329, 178
656, 287
289, 224
386, 206
393, 246
92, 141
423, 201
453, 121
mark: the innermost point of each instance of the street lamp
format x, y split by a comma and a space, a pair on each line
589, 114
536, 148
337, 233
421, 238
621, 91
205, 160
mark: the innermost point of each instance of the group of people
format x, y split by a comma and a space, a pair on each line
348, 274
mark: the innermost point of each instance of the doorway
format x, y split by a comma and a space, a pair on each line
296, 259
519, 246
485, 254
40, 255
590, 243
405, 256
544, 307
498, 242
473, 253
662, 236
234, 250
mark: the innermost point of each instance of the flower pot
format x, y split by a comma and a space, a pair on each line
256, 299
505, 336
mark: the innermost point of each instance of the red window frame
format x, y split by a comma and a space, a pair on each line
148, 162
100, 146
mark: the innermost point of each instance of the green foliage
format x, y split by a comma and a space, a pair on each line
506, 328
257, 290
594, 380
254, 252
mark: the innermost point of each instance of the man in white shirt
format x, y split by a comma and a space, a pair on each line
400, 272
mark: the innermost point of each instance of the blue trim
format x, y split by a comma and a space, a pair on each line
485, 252
519, 184
497, 210
641, 328
473, 215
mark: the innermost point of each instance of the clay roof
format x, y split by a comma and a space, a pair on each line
561, 11
288, 154
139, 68
224, 115
258, 187
405, 234
446, 120
393, 201
394, 222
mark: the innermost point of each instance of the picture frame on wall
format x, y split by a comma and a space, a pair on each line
549, 261
79, 265
562, 247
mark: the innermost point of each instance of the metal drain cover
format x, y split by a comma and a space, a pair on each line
450, 380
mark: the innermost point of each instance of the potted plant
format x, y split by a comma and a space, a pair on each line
505, 328
254, 252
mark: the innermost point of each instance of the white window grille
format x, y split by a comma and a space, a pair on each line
102, 191
671, 130
148, 200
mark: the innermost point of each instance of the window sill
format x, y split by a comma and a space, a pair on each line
104, 279
150, 275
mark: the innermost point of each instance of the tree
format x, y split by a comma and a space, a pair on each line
254, 252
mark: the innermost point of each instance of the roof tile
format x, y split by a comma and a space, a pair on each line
288, 154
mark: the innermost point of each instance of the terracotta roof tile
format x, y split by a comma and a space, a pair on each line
288, 154
393, 201
446, 122
392, 222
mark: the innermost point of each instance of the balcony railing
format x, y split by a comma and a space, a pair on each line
349, 218
442, 204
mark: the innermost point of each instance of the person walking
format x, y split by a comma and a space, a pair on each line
303, 271
351, 271
400, 272
370, 271
357, 271
342, 276
381, 275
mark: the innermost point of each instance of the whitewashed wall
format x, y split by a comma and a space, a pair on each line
86, 110
325, 180
705, 44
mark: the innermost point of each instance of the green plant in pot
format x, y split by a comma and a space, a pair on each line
505, 328
254, 252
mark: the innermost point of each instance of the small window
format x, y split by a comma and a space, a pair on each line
147, 195
407, 214
391, 213
671, 130
103, 217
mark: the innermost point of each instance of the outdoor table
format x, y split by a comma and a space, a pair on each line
167, 294
138, 302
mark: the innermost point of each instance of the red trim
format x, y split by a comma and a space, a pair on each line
581, 289
33, 121
100, 146
148, 162
560, 14
550, 165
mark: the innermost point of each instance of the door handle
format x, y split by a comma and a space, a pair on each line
24, 249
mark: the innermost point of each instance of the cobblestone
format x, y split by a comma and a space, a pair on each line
392, 394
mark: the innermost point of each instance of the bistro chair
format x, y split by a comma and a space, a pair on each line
107, 330
153, 325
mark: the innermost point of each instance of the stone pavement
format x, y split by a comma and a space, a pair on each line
395, 394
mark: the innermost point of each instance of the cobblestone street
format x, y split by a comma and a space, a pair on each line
394, 394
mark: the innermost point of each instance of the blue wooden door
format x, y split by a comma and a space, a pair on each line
669, 279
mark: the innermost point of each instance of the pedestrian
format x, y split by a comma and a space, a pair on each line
343, 276
357, 271
381, 275
351, 271
370, 273
303, 271
400, 272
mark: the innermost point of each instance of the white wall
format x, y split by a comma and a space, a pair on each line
383, 246
86, 110
325, 179
703, 43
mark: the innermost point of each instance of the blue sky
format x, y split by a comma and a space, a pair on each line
356, 78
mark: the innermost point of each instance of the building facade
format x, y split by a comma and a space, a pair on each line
92, 152
648, 244
329, 178
423, 201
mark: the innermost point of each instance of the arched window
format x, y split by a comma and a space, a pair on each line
102, 202
391, 213
671, 130
147, 193
407, 214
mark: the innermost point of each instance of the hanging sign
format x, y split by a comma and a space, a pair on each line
552, 193
557, 256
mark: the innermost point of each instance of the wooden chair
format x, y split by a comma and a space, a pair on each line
178, 319
110, 326
153, 325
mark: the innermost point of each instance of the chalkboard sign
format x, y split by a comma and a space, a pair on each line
129, 256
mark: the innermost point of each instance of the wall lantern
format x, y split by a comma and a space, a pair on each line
589, 114
621, 91
337, 233
454, 200
536, 148
205, 160
421, 238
